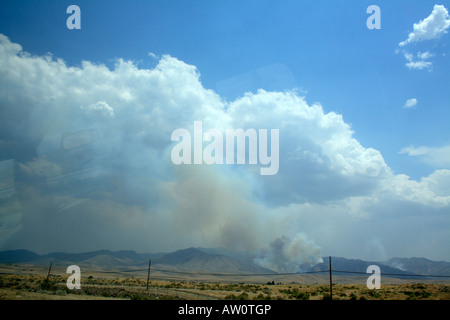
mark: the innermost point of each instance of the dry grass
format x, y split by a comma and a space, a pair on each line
33, 286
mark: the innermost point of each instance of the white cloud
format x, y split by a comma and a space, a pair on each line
410, 103
100, 108
412, 151
432, 27
419, 65
418, 62
115, 181
436, 156
424, 55
153, 55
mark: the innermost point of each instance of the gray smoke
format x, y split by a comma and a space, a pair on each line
87, 160
287, 254
85, 165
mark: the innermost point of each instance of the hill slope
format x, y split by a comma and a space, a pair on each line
197, 260
190, 259
351, 266
420, 265
209, 261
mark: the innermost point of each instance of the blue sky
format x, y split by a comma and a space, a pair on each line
322, 50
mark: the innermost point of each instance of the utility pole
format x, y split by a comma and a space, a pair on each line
49, 269
331, 279
148, 275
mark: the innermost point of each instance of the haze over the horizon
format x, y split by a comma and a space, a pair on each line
86, 118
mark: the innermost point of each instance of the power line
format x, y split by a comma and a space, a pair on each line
396, 274
236, 274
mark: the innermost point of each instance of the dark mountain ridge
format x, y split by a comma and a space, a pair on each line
207, 260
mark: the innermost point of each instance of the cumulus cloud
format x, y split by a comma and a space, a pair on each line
432, 27
91, 147
100, 108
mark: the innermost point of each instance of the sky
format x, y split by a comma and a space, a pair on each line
363, 114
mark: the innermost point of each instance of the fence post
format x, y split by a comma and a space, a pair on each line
148, 275
49, 269
331, 279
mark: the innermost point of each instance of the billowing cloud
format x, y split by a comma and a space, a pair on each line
92, 169
432, 27
101, 108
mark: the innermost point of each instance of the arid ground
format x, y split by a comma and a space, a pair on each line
30, 283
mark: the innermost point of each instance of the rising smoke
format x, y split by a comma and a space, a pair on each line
286, 254
85, 165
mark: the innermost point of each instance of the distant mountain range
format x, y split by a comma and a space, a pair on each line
394, 266
190, 259
216, 261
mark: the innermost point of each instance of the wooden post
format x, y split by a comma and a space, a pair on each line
49, 269
148, 275
331, 280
